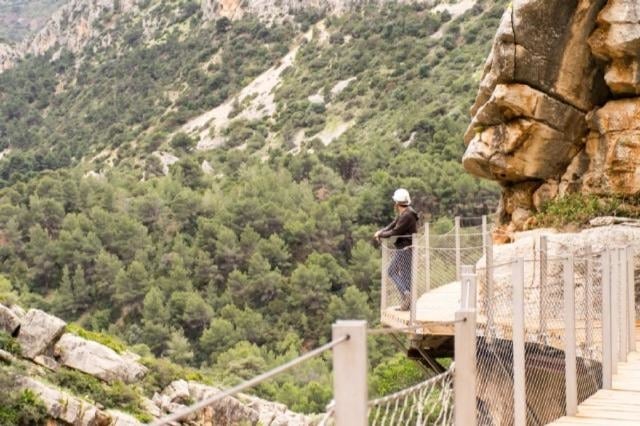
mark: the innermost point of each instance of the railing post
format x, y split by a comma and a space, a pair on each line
624, 345
631, 298
458, 257
384, 259
415, 251
465, 368
588, 309
519, 387
607, 340
571, 380
543, 285
488, 265
350, 373
469, 287
427, 257
615, 309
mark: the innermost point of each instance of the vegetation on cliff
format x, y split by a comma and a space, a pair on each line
241, 268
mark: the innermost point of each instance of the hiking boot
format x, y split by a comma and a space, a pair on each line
405, 304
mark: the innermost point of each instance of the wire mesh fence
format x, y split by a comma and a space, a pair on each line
432, 261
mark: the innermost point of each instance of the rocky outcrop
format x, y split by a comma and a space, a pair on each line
9, 321
66, 407
546, 121
38, 331
96, 359
8, 56
273, 9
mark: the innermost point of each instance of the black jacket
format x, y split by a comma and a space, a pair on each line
404, 226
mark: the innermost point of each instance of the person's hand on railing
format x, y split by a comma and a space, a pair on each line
376, 236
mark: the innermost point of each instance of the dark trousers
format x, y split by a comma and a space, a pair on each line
400, 270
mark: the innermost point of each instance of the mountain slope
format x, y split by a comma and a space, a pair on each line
20, 19
235, 257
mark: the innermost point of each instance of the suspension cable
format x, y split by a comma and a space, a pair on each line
248, 384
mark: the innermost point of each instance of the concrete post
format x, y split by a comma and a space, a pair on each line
571, 378
465, 371
458, 257
607, 360
350, 373
519, 387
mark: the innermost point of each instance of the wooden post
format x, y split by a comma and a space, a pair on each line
519, 387
465, 372
350, 373
458, 257
571, 379
607, 359
588, 309
427, 257
631, 298
414, 279
543, 285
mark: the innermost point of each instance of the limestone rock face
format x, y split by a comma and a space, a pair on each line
614, 148
63, 406
96, 359
617, 41
548, 119
38, 331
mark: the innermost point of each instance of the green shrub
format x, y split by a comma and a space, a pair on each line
104, 339
9, 344
577, 209
23, 408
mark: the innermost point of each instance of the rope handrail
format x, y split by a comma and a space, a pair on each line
248, 384
406, 391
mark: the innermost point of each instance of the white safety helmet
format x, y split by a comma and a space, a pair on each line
402, 197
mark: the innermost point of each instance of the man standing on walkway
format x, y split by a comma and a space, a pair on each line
402, 228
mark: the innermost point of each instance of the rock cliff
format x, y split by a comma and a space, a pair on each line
558, 110
45, 348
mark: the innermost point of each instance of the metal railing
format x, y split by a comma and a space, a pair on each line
547, 334
432, 261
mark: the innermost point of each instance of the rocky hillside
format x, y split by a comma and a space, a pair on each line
557, 112
20, 19
62, 372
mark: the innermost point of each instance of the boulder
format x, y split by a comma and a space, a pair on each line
229, 410
118, 418
38, 331
9, 321
275, 414
617, 41
63, 406
47, 362
177, 391
96, 359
